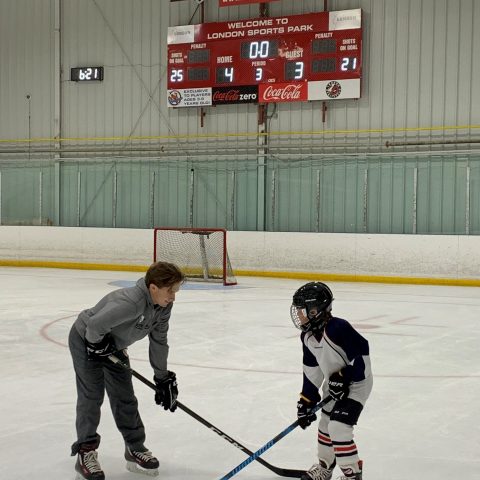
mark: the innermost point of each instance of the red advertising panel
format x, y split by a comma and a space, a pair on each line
283, 92
230, 3
316, 56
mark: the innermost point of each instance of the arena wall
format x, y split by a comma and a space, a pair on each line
428, 259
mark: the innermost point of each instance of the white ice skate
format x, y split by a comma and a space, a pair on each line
318, 471
352, 472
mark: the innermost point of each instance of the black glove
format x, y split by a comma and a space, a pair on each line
101, 350
339, 385
305, 414
167, 392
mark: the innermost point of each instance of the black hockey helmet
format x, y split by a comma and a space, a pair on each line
311, 306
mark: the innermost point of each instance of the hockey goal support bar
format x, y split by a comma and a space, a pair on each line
201, 253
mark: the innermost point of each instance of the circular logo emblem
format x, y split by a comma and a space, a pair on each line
333, 89
174, 97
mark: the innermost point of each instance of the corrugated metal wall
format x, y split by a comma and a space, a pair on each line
126, 37
26, 58
421, 65
421, 59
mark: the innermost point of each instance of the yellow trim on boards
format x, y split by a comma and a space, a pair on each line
73, 265
338, 277
245, 134
333, 277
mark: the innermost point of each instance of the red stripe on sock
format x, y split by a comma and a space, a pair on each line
324, 438
349, 448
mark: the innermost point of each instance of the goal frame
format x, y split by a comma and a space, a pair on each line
198, 230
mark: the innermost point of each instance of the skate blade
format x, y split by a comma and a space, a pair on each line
79, 476
134, 468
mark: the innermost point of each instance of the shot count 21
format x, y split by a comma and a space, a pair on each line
315, 56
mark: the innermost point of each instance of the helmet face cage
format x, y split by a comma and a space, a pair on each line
311, 305
299, 317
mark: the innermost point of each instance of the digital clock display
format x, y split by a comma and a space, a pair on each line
316, 56
86, 74
259, 49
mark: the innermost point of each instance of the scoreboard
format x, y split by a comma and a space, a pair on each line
315, 56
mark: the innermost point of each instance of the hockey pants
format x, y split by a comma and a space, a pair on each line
93, 378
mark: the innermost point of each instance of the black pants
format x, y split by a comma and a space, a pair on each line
93, 378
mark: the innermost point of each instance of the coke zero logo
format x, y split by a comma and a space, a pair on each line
229, 96
237, 94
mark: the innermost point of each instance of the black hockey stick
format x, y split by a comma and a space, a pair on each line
270, 443
283, 472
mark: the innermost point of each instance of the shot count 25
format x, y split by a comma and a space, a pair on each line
316, 56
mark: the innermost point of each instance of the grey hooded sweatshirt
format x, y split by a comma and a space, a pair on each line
128, 315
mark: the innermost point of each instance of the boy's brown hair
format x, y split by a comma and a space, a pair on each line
163, 274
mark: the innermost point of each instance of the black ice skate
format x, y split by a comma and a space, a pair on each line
87, 465
141, 462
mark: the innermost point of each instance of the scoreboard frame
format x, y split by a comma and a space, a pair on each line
315, 56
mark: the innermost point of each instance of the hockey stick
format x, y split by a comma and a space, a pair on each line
283, 472
270, 443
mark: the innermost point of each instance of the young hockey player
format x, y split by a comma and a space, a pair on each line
119, 319
335, 358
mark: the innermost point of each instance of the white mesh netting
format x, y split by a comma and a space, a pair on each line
199, 252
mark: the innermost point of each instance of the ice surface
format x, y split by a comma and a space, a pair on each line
238, 361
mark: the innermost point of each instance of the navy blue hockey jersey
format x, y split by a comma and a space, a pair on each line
340, 346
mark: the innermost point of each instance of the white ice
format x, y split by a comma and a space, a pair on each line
238, 360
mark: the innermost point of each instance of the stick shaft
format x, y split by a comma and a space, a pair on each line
283, 472
270, 443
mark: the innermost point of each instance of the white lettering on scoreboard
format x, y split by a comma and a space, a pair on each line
315, 56
339, 20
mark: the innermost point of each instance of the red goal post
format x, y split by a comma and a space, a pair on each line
201, 253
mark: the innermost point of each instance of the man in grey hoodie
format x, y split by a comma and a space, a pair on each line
119, 319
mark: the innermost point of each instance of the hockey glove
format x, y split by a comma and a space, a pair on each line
101, 350
167, 392
339, 385
305, 414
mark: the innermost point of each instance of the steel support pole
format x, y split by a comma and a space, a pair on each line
192, 197
467, 202
40, 198
79, 185
114, 199
365, 200
415, 193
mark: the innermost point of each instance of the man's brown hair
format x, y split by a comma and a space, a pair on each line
163, 274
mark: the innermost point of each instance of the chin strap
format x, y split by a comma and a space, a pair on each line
318, 330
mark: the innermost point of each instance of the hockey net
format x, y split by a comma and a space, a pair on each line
201, 253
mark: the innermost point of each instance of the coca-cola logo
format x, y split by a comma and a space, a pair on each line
228, 96
289, 92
